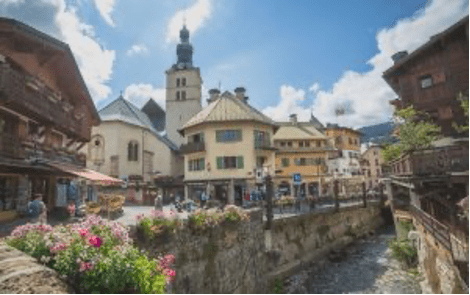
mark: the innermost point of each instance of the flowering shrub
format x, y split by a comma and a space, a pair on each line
71, 209
158, 223
95, 256
201, 219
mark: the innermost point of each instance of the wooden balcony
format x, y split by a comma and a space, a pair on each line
21, 93
193, 147
264, 145
432, 162
10, 147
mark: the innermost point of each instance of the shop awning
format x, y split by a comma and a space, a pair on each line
94, 176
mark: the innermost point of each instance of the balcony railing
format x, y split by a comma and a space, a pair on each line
264, 145
192, 147
432, 162
26, 96
10, 146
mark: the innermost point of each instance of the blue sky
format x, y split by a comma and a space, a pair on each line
291, 56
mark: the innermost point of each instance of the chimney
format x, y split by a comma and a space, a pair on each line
399, 55
240, 93
213, 95
293, 119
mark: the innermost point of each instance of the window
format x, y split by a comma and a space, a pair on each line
230, 162
228, 135
132, 151
289, 143
56, 139
378, 172
199, 137
426, 81
283, 143
183, 82
177, 82
114, 166
262, 139
285, 162
196, 164
301, 144
356, 142
350, 141
319, 143
260, 161
177, 95
307, 144
183, 95
376, 162
301, 162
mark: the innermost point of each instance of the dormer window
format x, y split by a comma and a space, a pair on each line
426, 81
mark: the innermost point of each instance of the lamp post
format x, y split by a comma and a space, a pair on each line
269, 199
335, 192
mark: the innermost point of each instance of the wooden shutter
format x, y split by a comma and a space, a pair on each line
203, 161
220, 163
240, 162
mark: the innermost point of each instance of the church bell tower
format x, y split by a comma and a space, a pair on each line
183, 89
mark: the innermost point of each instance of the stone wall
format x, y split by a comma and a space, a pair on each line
20, 273
245, 258
300, 239
436, 263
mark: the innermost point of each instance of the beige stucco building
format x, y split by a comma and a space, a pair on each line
225, 143
301, 149
372, 162
126, 145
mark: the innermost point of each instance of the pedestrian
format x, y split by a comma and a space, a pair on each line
38, 210
159, 202
203, 199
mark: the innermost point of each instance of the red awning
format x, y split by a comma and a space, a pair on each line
87, 174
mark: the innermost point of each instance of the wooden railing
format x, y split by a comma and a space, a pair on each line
20, 93
438, 230
192, 147
10, 146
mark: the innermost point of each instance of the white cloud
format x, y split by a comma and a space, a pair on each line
140, 93
195, 17
314, 88
137, 49
95, 62
363, 98
289, 104
105, 7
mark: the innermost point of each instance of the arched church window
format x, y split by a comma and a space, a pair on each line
96, 150
132, 151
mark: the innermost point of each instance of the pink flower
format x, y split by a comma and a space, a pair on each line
58, 247
71, 209
84, 266
83, 232
95, 241
169, 274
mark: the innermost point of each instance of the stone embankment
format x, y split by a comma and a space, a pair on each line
21, 274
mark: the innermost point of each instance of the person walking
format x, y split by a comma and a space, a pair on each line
203, 199
159, 201
38, 210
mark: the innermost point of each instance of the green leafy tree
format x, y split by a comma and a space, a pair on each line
464, 104
415, 132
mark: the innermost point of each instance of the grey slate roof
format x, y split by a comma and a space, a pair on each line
124, 111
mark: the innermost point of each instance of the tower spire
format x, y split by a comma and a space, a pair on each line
184, 50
